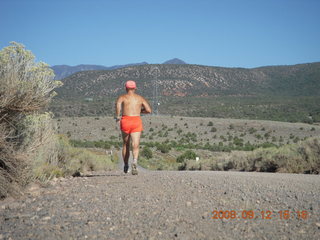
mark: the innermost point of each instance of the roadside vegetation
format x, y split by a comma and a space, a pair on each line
70, 161
275, 108
174, 143
29, 148
302, 157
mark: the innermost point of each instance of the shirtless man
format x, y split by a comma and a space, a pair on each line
131, 105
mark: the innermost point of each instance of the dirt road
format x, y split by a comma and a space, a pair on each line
167, 205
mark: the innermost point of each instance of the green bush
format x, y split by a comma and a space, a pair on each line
188, 155
146, 152
164, 148
213, 129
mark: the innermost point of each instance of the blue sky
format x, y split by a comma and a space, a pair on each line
229, 33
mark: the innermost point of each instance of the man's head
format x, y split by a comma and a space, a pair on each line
130, 85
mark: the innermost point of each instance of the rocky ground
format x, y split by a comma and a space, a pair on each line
166, 205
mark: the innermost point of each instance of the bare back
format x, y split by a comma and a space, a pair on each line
131, 104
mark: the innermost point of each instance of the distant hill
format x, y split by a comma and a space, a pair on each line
281, 93
174, 61
196, 80
63, 71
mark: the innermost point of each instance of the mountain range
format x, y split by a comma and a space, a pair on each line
63, 71
196, 80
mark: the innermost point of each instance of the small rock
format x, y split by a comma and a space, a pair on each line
46, 218
189, 204
318, 224
13, 205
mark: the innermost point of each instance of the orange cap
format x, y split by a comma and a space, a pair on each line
131, 84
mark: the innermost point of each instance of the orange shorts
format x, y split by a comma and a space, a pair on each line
130, 124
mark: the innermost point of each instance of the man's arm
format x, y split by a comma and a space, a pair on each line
118, 107
146, 106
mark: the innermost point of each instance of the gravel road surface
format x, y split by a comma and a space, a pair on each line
167, 205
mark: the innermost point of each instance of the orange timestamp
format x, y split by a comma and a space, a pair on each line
264, 214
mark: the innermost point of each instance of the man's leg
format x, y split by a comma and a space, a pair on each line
135, 137
126, 150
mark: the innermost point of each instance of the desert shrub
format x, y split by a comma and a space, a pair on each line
252, 130
258, 136
146, 152
210, 124
68, 161
267, 135
26, 88
302, 157
238, 141
192, 165
296, 139
213, 129
164, 148
188, 155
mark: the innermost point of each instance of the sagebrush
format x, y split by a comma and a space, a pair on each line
26, 88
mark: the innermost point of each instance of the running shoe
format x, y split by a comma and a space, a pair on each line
134, 169
125, 168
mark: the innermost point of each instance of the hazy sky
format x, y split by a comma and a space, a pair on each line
230, 33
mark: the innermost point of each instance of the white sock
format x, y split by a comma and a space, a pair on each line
135, 161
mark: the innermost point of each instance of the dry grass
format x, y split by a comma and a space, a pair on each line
69, 161
303, 157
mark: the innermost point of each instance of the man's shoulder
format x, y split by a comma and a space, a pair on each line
139, 96
121, 97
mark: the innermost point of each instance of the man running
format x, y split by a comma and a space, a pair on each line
131, 105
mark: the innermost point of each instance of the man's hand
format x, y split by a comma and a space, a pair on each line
143, 110
117, 122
